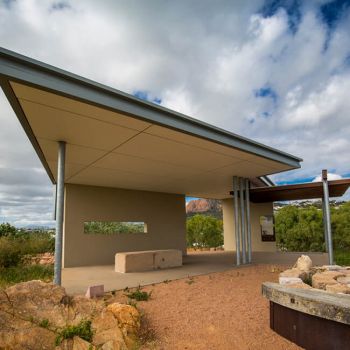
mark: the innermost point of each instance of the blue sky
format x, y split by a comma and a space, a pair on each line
274, 71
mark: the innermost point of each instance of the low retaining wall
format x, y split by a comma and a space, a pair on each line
303, 315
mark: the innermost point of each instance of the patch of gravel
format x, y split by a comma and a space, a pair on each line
222, 311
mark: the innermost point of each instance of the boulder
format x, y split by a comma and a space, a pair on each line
128, 320
106, 330
338, 288
332, 267
32, 314
344, 279
289, 280
304, 263
300, 285
321, 279
296, 273
81, 344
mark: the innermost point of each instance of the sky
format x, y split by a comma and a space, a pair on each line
277, 72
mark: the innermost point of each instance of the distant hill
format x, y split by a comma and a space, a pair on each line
202, 206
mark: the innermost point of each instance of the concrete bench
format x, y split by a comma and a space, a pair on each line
147, 260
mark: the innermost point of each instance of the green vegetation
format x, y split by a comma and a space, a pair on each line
15, 274
17, 245
139, 295
108, 228
82, 330
204, 231
301, 229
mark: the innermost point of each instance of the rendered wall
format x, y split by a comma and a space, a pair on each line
164, 214
256, 210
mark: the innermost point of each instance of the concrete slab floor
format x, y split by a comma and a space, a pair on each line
76, 280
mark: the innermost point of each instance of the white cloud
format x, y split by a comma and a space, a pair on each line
330, 176
206, 59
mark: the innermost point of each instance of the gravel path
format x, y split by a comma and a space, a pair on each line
218, 311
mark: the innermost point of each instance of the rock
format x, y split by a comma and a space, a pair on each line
111, 345
289, 280
332, 267
129, 321
344, 279
127, 316
46, 259
95, 291
300, 285
106, 329
304, 263
296, 273
81, 344
321, 279
31, 314
338, 288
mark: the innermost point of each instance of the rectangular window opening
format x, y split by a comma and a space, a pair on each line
114, 227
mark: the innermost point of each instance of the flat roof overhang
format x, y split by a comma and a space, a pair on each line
312, 190
116, 140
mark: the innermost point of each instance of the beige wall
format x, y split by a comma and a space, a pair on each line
256, 210
164, 214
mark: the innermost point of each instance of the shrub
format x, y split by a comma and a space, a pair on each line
7, 230
10, 252
139, 295
82, 330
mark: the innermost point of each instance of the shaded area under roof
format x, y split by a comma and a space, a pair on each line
310, 190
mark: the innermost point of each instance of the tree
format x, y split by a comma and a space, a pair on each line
7, 230
299, 229
204, 231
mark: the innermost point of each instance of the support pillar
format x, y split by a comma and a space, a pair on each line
236, 220
243, 226
59, 211
249, 228
324, 224
327, 217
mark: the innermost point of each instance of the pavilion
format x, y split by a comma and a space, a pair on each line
114, 157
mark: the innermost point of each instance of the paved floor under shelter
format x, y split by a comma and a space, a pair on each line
77, 279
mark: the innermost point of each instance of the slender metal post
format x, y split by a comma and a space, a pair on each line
59, 211
241, 194
328, 216
249, 228
324, 224
236, 218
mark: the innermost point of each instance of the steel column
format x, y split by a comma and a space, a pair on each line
249, 228
243, 230
236, 219
324, 224
328, 216
59, 211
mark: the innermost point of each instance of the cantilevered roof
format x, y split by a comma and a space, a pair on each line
116, 140
310, 190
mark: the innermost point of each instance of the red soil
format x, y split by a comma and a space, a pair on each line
218, 311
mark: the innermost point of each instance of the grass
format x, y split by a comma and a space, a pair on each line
139, 295
342, 257
82, 330
15, 274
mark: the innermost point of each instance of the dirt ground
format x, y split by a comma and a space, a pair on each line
222, 311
